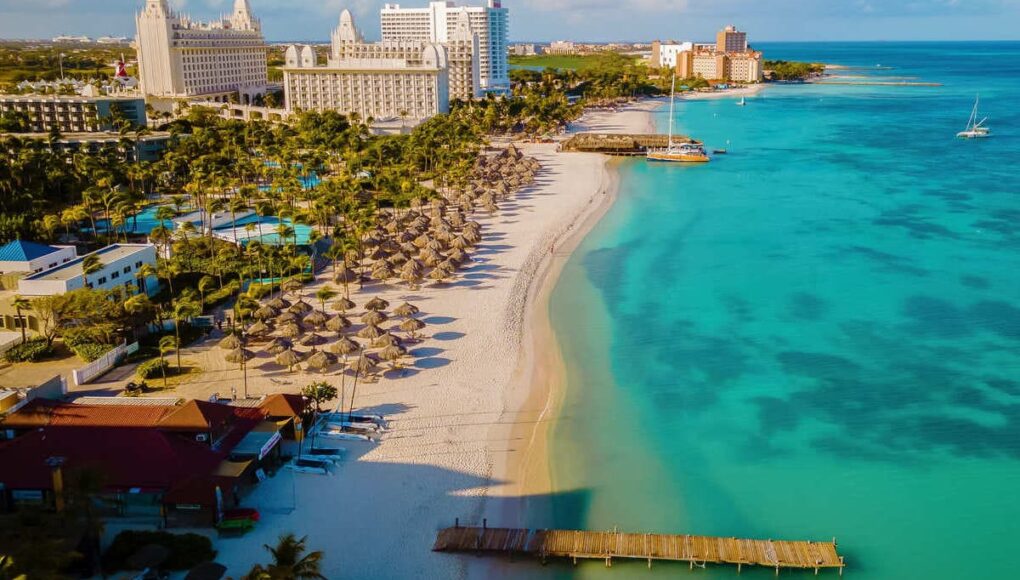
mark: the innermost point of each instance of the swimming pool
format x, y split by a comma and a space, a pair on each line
264, 230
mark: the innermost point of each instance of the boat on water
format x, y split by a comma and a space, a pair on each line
687, 152
975, 129
741, 102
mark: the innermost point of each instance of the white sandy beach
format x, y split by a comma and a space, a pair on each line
467, 423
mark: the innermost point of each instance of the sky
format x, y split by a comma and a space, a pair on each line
590, 20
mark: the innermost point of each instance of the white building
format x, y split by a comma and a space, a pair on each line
19, 256
180, 58
561, 47
438, 23
664, 54
120, 266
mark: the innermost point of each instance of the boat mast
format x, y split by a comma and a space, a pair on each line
672, 98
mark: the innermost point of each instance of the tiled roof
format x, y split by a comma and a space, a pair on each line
197, 415
282, 405
42, 413
22, 251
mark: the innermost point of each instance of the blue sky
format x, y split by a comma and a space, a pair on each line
596, 20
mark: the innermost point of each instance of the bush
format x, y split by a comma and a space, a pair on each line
90, 351
153, 368
186, 550
31, 351
218, 296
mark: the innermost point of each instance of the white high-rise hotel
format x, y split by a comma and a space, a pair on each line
438, 23
180, 58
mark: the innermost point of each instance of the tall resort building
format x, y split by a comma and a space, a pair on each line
409, 79
181, 58
439, 22
729, 59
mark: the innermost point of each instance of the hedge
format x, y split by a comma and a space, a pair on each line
31, 351
90, 351
152, 368
186, 550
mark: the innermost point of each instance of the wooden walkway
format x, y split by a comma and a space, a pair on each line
696, 550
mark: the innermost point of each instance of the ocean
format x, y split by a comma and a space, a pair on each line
816, 335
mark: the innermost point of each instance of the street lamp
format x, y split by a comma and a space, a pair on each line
62, 55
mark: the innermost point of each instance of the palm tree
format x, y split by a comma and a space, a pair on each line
167, 345
21, 303
183, 310
90, 264
325, 294
205, 284
290, 560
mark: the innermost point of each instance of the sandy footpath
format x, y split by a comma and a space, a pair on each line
467, 422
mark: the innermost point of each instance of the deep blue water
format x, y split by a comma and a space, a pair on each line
815, 335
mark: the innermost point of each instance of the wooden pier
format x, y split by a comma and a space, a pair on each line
619, 144
695, 550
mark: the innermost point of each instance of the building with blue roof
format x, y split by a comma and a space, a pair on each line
23, 257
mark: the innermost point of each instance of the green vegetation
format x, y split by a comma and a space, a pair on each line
88, 350
31, 351
319, 392
573, 61
289, 561
784, 70
157, 367
186, 550
21, 61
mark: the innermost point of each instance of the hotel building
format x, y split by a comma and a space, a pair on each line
664, 54
385, 80
730, 59
179, 58
120, 266
440, 22
73, 114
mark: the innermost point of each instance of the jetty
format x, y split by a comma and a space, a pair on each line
697, 551
619, 144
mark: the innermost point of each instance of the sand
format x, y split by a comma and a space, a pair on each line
467, 422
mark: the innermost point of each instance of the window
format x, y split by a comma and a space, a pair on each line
101, 280
138, 264
115, 275
127, 269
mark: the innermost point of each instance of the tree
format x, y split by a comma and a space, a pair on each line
289, 561
90, 264
167, 345
21, 303
320, 392
183, 310
47, 311
325, 294
205, 284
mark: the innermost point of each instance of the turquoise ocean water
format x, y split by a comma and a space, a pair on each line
815, 335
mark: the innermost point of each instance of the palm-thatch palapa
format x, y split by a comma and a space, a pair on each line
259, 329
291, 285
345, 346
312, 339
374, 317
384, 340
412, 326
290, 330
315, 319
239, 355
286, 317
406, 309
288, 358
376, 304
343, 305
337, 324
370, 332
320, 360
265, 312
278, 303
363, 366
230, 342
393, 353
278, 345
300, 307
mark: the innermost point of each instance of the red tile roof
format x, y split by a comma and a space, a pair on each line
197, 415
281, 405
126, 457
42, 413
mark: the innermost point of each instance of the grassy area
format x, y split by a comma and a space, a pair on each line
566, 61
27, 61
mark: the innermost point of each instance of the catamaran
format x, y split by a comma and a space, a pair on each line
741, 102
975, 129
688, 152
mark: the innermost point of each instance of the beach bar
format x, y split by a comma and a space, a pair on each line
590, 545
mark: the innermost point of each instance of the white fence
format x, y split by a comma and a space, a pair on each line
102, 364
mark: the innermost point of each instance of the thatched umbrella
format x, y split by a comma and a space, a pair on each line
286, 317
278, 345
312, 339
393, 353
230, 342
430, 257
457, 256
406, 309
363, 366
346, 276
337, 324
460, 243
472, 236
411, 326
382, 271
288, 358
374, 317
278, 303
384, 340
439, 274
345, 346
435, 245
300, 307
239, 355
320, 360
398, 258
291, 285
259, 329
376, 304
422, 240
290, 330
370, 332
265, 312
343, 305
315, 319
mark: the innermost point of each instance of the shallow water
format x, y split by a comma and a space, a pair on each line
815, 335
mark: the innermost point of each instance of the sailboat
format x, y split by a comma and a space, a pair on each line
975, 129
741, 102
688, 152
